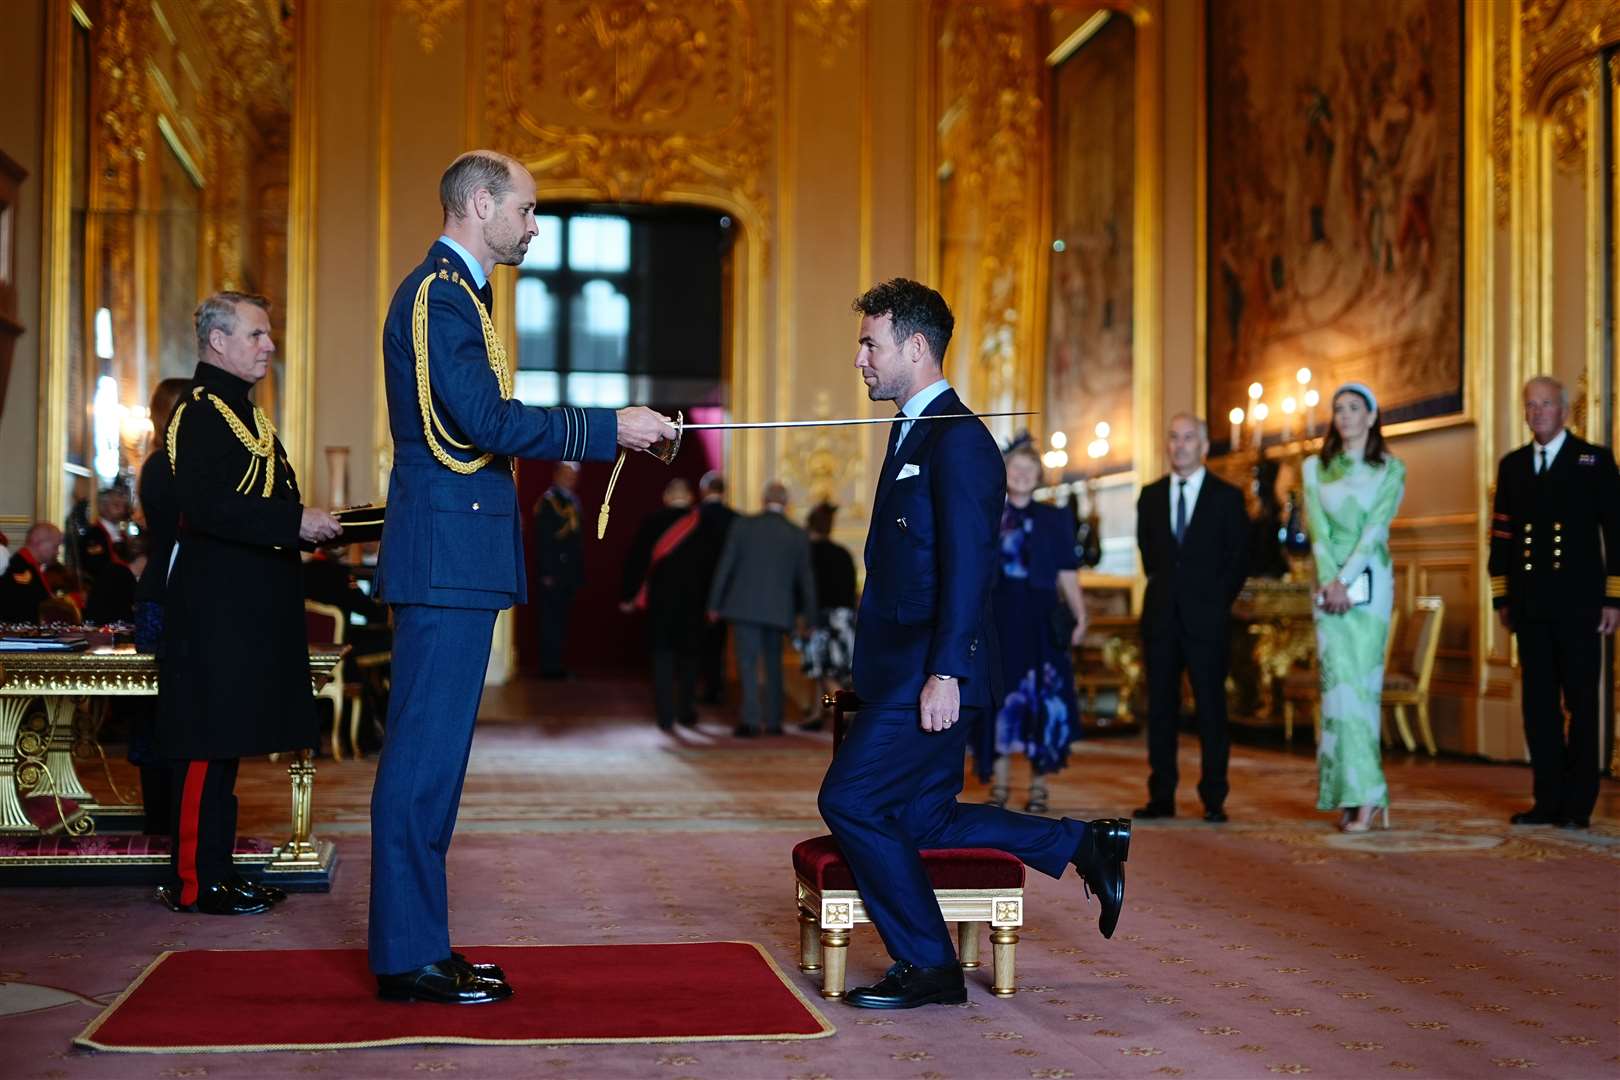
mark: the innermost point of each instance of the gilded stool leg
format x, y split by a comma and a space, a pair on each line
1004, 940
967, 944
809, 942
834, 952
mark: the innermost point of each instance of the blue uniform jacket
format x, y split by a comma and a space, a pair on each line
931, 560
454, 540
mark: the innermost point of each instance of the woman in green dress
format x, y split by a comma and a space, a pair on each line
1352, 490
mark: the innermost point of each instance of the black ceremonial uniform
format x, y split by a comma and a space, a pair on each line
561, 549
1549, 533
23, 589
234, 670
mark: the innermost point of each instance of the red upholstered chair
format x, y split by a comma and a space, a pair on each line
974, 886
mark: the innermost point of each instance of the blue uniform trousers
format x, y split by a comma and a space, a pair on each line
891, 793
440, 655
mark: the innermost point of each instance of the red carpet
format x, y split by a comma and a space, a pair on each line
225, 1001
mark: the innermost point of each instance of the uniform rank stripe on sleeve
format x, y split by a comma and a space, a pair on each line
584, 433
579, 435
568, 432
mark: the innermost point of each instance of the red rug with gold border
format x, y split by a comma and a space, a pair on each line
229, 1001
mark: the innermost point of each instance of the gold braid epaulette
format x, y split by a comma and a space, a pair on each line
424, 391
260, 446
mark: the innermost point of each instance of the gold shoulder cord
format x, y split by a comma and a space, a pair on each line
261, 446
424, 393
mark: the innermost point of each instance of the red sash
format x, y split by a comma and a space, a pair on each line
673, 537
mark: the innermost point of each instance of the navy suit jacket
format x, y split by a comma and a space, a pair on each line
931, 557
454, 540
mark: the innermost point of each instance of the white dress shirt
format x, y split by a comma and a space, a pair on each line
1554, 444
919, 401
1195, 484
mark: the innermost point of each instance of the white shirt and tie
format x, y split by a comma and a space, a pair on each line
1183, 500
1547, 453
917, 402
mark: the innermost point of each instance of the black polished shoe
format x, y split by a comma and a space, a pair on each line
1100, 862
257, 890
483, 971
1215, 817
1153, 810
906, 987
1537, 816
444, 983
220, 898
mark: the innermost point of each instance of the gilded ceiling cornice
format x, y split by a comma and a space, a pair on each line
832, 24
1558, 35
430, 17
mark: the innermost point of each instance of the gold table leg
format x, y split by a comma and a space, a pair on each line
809, 942
64, 778
834, 952
1004, 941
967, 944
12, 818
301, 852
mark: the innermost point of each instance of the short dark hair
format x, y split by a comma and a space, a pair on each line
820, 519
475, 169
914, 308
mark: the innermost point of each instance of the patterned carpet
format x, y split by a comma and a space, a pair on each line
1450, 946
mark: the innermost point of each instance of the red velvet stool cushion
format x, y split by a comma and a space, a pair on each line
819, 862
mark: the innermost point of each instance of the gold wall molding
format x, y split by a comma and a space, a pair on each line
1557, 35
430, 16
833, 24
1502, 127
1569, 136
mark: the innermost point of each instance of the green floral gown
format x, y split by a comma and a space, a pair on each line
1350, 504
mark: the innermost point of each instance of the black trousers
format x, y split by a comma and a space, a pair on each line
1168, 654
554, 606
712, 662
1562, 661
204, 824
674, 680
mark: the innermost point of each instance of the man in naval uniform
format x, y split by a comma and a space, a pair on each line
452, 556
233, 678
24, 587
1556, 514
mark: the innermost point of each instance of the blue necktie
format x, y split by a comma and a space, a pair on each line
1181, 511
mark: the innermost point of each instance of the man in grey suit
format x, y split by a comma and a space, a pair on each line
762, 581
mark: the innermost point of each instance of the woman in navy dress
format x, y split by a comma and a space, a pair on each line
1039, 617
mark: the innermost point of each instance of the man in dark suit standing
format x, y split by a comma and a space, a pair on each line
924, 657
661, 577
452, 555
761, 584
715, 519
1554, 525
560, 549
1193, 533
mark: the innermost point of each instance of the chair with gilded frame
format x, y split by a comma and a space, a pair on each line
975, 887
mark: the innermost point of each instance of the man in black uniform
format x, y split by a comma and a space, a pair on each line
1557, 511
24, 587
234, 669
714, 523
560, 548
661, 578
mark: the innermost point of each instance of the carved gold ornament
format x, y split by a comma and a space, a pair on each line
430, 16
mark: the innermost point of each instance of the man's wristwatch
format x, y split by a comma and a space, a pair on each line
946, 678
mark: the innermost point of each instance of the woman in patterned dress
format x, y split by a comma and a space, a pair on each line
1352, 490
1039, 617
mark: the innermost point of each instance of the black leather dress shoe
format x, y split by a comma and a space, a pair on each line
483, 971
907, 986
1537, 816
1153, 810
444, 983
257, 890
1215, 817
1100, 862
219, 898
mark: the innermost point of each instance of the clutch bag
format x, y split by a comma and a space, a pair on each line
361, 524
1360, 590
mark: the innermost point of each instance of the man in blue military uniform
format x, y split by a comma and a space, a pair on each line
1555, 522
924, 642
452, 556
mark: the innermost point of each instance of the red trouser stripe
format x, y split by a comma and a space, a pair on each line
190, 802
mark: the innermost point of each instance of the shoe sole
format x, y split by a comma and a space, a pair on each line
396, 995
936, 999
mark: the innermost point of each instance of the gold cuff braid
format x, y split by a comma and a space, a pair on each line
493, 348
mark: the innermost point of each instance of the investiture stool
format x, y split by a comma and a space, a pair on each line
924, 658
452, 556
1555, 583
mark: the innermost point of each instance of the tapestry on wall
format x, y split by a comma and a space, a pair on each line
1334, 201
1089, 328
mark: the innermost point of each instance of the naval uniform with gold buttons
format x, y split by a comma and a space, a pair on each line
1554, 516
452, 556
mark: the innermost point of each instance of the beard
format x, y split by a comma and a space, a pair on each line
507, 245
883, 390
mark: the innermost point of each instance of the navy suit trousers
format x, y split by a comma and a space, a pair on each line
440, 655
890, 794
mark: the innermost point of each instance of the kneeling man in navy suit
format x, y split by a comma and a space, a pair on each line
923, 645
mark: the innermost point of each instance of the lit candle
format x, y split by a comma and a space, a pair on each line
1236, 416
1311, 400
1259, 414
1289, 407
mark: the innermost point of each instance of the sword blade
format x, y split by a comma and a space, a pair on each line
846, 422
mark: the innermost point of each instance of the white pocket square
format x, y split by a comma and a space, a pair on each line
908, 469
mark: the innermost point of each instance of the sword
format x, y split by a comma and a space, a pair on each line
666, 449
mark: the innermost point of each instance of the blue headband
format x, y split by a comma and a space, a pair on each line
1360, 388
